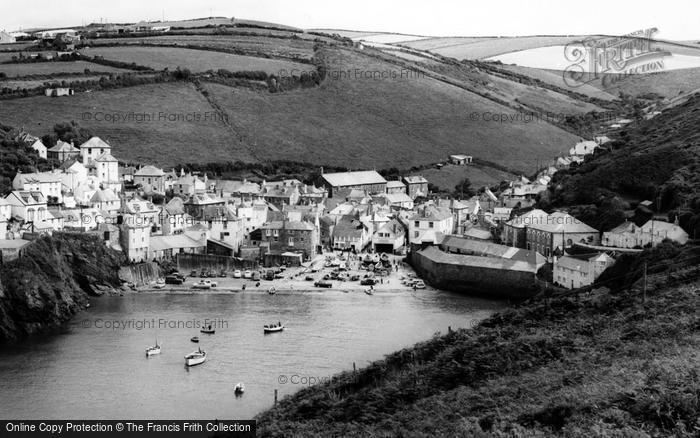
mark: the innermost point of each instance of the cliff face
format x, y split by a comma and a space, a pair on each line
52, 282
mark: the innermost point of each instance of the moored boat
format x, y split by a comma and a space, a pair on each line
195, 358
194, 339
159, 284
150, 351
239, 389
208, 330
369, 292
272, 290
273, 328
201, 285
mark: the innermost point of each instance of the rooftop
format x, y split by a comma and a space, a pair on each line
344, 179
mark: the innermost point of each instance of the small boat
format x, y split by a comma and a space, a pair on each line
195, 358
150, 351
208, 330
272, 290
369, 292
273, 328
194, 339
239, 389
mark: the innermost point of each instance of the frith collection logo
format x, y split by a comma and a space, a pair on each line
610, 59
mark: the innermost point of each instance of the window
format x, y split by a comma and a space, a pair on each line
416, 224
291, 241
416, 234
430, 224
268, 233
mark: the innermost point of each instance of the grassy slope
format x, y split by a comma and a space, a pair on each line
159, 142
450, 175
600, 365
479, 48
397, 122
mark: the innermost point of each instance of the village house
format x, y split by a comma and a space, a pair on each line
167, 247
222, 223
429, 220
151, 178
28, 206
399, 200
390, 237
141, 212
290, 237
395, 187
136, 240
253, 215
350, 234
476, 232
310, 194
173, 218
34, 143
281, 194
197, 203
416, 186
368, 181
461, 160
62, 151
244, 190
656, 231
92, 149
557, 232
48, 183
575, 271
105, 200
188, 184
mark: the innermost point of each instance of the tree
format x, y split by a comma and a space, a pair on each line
464, 189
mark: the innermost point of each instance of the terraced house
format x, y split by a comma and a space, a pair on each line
368, 181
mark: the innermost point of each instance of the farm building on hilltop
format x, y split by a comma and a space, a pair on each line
461, 160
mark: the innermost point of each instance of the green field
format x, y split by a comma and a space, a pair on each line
159, 142
285, 47
450, 175
53, 68
480, 48
160, 58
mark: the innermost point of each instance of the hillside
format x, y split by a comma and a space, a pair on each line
53, 282
603, 364
371, 108
657, 159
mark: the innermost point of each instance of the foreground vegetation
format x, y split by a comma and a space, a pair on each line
610, 363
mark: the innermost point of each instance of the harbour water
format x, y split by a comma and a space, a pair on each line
97, 368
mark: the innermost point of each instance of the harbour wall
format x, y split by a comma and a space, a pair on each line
488, 282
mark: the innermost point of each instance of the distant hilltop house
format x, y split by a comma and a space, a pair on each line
150, 27
59, 91
6, 38
461, 160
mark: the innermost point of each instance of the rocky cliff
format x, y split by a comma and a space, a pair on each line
52, 282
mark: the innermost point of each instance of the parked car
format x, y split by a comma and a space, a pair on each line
355, 277
247, 274
173, 279
256, 276
323, 283
309, 278
269, 274
237, 273
368, 282
419, 284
